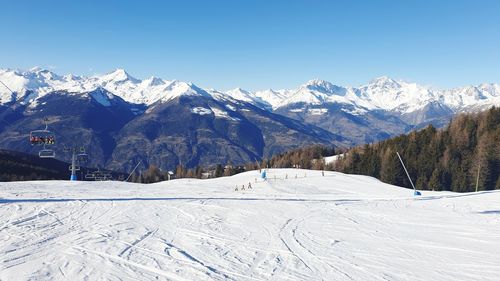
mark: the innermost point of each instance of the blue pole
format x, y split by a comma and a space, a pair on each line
73, 168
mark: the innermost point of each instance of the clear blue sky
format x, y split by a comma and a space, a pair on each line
258, 44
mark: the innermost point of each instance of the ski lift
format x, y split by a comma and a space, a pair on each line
77, 168
107, 177
46, 153
91, 175
99, 175
82, 156
42, 137
46, 138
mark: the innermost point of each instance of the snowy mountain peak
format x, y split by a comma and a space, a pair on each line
119, 75
246, 96
323, 87
154, 81
317, 82
71, 77
381, 93
384, 81
35, 69
178, 88
42, 74
238, 93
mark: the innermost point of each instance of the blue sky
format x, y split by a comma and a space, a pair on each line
258, 44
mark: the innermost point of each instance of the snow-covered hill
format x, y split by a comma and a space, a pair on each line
299, 225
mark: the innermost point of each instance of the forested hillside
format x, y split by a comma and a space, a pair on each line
18, 166
447, 159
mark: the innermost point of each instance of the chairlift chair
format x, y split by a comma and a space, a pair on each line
82, 157
46, 138
46, 153
42, 137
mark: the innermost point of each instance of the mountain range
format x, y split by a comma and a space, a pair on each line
123, 120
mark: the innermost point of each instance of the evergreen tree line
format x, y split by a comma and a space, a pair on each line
447, 159
154, 174
444, 159
300, 158
16, 166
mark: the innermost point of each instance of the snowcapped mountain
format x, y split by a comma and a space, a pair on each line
387, 94
382, 93
317, 111
243, 95
121, 120
40, 82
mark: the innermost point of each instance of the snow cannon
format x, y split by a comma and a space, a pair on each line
263, 174
417, 193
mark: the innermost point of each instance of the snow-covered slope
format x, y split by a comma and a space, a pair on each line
274, 97
243, 95
299, 225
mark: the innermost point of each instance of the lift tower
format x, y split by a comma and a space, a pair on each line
76, 154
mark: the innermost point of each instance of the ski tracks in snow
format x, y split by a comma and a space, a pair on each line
310, 229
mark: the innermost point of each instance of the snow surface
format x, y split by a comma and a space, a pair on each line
318, 111
219, 113
313, 227
201, 110
332, 159
101, 96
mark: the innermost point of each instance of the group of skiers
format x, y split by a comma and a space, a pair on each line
243, 187
42, 140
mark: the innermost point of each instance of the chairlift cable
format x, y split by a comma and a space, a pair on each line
12, 93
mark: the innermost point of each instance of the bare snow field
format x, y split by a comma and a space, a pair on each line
313, 227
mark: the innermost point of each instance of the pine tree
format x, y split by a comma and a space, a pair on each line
435, 180
219, 171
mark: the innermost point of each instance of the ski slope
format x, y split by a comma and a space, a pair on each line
299, 225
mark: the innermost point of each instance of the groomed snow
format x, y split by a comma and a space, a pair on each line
304, 227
